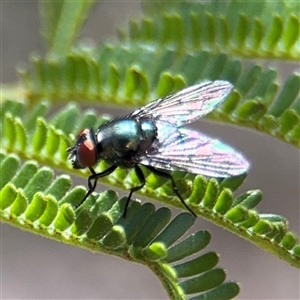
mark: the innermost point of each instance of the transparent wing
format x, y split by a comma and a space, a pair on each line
190, 151
187, 105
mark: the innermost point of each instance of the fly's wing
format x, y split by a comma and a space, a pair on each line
187, 105
187, 150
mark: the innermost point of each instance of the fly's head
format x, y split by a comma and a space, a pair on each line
84, 153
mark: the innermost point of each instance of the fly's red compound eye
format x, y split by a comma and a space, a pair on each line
86, 153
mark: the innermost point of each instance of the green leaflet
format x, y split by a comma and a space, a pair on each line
58, 31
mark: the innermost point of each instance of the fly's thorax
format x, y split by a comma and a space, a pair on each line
118, 140
123, 141
119, 134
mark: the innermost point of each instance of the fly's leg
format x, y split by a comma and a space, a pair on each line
95, 176
175, 190
141, 177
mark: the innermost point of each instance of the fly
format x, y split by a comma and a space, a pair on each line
154, 136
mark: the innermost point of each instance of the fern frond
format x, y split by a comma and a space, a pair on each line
101, 228
212, 199
112, 74
238, 28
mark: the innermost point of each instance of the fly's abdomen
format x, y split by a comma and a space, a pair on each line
148, 134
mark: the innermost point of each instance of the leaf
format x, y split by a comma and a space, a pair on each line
256, 103
208, 198
102, 232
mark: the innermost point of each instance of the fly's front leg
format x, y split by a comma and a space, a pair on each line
141, 177
175, 190
95, 176
90, 186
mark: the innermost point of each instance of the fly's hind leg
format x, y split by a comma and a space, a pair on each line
175, 190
